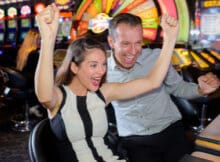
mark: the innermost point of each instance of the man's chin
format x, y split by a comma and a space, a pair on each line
130, 63
128, 66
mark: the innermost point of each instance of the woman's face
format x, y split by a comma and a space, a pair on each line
91, 71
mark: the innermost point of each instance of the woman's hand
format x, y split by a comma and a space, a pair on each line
48, 22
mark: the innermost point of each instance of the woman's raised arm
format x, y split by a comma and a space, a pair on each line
44, 77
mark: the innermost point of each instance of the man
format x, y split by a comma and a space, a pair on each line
149, 125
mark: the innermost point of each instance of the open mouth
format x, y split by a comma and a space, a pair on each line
129, 59
96, 81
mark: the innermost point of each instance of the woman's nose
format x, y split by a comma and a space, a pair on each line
102, 69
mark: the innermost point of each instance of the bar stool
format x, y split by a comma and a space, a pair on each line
18, 91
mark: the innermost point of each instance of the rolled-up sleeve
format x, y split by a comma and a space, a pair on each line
176, 86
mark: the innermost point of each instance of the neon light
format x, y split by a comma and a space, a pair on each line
211, 3
25, 10
2, 13
3, 2
39, 7
99, 23
12, 11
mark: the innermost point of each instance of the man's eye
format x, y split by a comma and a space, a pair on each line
125, 44
105, 64
139, 43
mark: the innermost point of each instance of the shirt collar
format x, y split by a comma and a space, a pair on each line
112, 64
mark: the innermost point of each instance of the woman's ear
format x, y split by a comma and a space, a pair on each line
110, 42
74, 68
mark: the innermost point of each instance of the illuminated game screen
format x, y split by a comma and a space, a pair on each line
23, 34
59, 32
12, 24
66, 27
210, 23
1, 37
25, 23
64, 30
11, 37
2, 26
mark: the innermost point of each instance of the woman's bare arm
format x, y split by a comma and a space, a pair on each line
47, 93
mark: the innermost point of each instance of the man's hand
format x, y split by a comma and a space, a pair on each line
208, 83
170, 27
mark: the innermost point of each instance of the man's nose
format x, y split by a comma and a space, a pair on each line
133, 49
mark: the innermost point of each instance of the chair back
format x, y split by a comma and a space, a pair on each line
186, 108
15, 79
112, 138
41, 146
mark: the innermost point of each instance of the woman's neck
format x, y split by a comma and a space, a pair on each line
77, 88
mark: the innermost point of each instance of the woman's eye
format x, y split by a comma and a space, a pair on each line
93, 65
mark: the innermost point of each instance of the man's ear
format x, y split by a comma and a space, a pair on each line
74, 68
110, 42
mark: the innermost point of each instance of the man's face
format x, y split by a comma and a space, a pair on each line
127, 45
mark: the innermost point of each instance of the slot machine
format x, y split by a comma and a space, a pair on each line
209, 21
65, 22
12, 26
206, 44
2, 32
2, 27
203, 32
64, 29
181, 58
25, 23
203, 45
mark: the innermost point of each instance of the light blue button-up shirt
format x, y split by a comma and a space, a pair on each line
152, 112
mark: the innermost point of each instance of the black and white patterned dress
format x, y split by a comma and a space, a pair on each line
80, 127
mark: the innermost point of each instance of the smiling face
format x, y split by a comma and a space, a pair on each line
90, 72
127, 44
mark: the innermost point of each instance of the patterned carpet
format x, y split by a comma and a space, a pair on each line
13, 145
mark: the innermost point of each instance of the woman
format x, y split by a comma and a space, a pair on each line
29, 46
26, 62
76, 101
